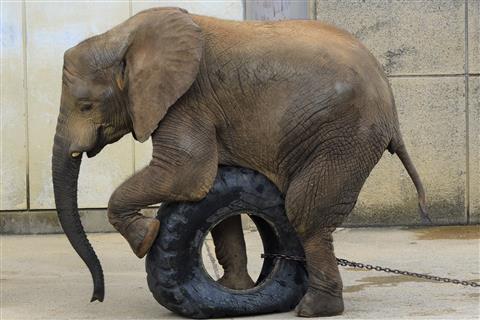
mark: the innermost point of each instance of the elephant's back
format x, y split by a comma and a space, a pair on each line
289, 37
252, 30
302, 47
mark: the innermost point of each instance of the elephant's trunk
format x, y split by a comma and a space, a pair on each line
65, 171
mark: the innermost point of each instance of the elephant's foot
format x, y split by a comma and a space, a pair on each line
237, 280
141, 233
317, 303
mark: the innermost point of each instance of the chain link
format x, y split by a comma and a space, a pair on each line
282, 256
358, 265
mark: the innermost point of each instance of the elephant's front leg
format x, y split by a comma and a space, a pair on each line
151, 185
179, 171
137, 192
231, 253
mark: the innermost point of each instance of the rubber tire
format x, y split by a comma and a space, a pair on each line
175, 272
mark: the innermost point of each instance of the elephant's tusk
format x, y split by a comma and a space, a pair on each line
76, 154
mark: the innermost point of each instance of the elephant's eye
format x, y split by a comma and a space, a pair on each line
86, 107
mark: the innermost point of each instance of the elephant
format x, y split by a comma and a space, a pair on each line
301, 102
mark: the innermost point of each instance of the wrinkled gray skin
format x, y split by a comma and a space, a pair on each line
301, 102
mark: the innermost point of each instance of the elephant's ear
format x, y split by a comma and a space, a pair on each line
162, 62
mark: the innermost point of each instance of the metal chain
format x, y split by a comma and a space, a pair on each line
282, 256
358, 265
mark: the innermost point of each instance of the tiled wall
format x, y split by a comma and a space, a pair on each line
13, 139
431, 52
429, 48
34, 37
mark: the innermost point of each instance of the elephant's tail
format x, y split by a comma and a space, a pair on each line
398, 146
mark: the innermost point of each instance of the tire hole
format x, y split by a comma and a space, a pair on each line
254, 248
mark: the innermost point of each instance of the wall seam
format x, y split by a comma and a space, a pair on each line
244, 6
432, 75
467, 121
1, 106
313, 9
79, 209
1, 148
25, 92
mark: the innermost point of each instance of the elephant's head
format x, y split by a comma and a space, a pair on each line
118, 82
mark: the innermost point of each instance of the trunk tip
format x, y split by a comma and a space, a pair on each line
424, 215
98, 294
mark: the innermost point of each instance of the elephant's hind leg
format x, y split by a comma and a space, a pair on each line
317, 202
231, 253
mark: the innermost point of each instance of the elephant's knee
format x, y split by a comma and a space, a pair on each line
114, 208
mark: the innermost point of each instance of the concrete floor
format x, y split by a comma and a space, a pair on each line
42, 278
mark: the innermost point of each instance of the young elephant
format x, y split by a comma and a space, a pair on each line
301, 102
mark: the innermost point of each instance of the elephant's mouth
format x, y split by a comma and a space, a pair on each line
99, 143
93, 152
103, 137
106, 134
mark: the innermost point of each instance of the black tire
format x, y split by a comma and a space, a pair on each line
175, 272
